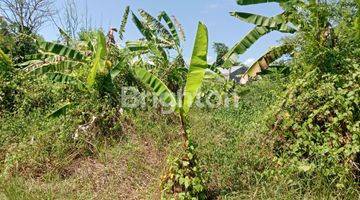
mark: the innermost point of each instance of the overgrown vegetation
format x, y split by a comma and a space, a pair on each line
70, 129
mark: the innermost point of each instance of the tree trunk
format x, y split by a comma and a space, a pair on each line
183, 130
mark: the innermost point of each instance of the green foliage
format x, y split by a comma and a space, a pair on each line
277, 22
53, 67
61, 50
220, 49
16, 45
171, 26
195, 75
264, 61
264, 25
65, 79
146, 32
184, 177
99, 60
5, 64
155, 25
124, 22
197, 68
246, 42
60, 111
319, 121
157, 86
287, 137
160, 50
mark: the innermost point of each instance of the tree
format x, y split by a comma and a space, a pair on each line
71, 21
27, 15
290, 21
220, 49
193, 186
6, 37
17, 46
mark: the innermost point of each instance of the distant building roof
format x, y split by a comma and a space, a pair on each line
235, 71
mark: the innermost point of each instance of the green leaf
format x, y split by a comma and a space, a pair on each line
249, 2
5, 58
5, 62
65, 79
60, 111
61, 50
115, 71
53, 67
197, 68
264, 61
246, 42
155, 25
157, 86
124, 22
99, 56
145, 31
147, 46
172, 27
39, 56
277, 22
139, 45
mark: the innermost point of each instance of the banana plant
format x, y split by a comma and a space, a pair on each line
264, 25
66, 65
59, 58
286, 22
165, 36
195, 77
160, 48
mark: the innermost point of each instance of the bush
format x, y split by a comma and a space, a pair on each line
319, 123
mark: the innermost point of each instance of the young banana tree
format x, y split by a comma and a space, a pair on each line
184, 178
264, 25
195, 77
66, 65
160, 48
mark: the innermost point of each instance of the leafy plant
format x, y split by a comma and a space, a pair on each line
90, 69
264, 25
160, 49
318, 122
184, 184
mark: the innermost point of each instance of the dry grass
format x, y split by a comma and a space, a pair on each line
129, 170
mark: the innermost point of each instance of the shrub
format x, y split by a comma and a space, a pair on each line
319, 129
